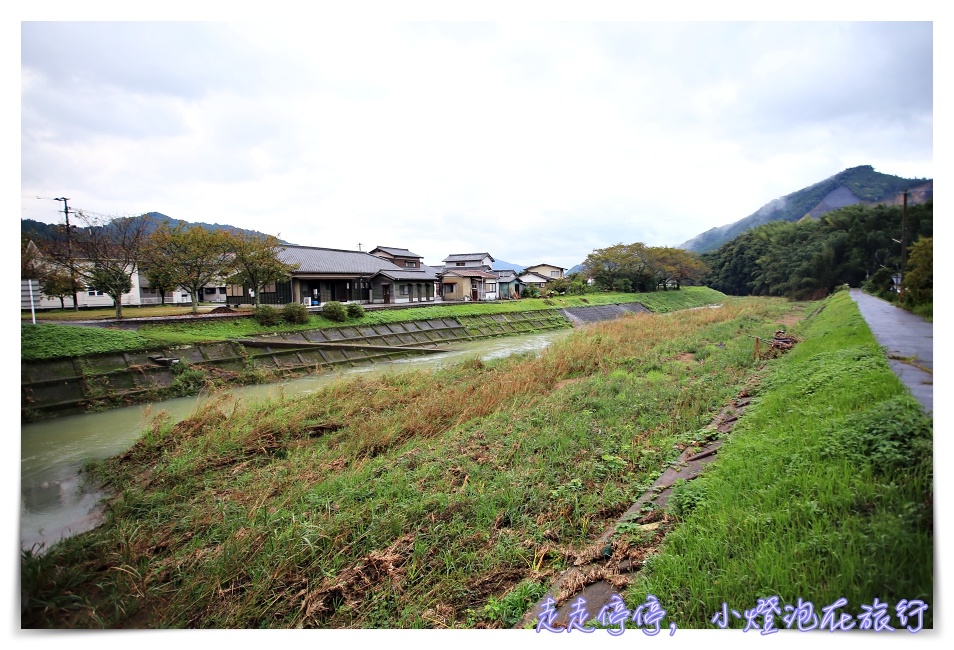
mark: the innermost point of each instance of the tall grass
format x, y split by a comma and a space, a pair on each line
430, 499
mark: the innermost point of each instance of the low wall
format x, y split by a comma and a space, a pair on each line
75, 385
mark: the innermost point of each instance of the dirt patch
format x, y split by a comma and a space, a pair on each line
685, 357
567, 382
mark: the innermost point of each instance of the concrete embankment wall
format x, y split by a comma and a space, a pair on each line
74, 385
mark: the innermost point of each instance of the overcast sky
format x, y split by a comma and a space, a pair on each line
533, 141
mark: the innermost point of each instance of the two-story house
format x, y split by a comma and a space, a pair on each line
548, 271
468, 276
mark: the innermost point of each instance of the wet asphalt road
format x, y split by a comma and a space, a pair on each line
903, 336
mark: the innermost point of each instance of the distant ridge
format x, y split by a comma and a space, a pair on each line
33, 228
854, 185
501, 265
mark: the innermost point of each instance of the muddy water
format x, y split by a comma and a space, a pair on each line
53, 501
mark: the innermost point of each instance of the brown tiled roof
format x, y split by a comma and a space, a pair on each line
469, 273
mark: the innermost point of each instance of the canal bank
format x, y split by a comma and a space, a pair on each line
71, 385
54, 501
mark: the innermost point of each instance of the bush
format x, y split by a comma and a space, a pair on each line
334, 310
295, 312
355, 311
266, 315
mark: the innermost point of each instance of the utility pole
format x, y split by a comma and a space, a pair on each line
904, 240
69, 249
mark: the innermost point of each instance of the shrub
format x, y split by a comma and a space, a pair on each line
334, 310
295, 312
355, 311
266, 315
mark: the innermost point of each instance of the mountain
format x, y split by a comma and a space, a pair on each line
500, 265
854, 185
34, 229
158, 217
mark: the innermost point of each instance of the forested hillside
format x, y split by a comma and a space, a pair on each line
809, 258
857, 185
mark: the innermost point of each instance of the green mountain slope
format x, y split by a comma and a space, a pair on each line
855, 185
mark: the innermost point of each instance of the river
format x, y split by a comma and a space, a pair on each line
53, 501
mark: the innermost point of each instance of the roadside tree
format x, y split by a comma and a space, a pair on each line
102, 253
194, 256
256, 262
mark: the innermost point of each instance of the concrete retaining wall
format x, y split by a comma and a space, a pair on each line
75, 385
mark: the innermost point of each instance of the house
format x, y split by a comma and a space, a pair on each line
546, 270
469, 261
468, 284
468, 276
534, 280
325, 274
399, 256
509, 285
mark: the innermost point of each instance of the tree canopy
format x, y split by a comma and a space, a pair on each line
102, 254
193, 256
256, 262
638, 267
809, 258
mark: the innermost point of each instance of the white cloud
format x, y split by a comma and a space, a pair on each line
528, 140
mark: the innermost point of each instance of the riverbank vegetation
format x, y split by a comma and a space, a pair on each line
823, 491
420, 499
47, 341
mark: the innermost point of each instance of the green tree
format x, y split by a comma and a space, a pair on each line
103, 253
919, 277
256, 261
56, 283
195, 256
161, 277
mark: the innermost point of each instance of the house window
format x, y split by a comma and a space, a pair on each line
92, 291
403, 289
491, 287
410, 265
459, 263
222, 290
448, 289
554, 274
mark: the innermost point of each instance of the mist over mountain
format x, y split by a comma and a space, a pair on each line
852, 186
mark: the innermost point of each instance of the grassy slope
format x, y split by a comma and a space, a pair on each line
412, 500
824, 490
46, 341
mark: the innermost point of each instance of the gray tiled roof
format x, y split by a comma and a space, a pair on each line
463, 257
334, 261
397, 252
